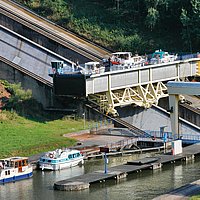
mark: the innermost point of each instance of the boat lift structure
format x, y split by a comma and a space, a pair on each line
141, 86
175, 89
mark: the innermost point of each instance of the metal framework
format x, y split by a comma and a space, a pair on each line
142, 86
174, 91
141, 95
198, 68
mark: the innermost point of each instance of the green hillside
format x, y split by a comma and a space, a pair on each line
24, 137
25, 129
139, 26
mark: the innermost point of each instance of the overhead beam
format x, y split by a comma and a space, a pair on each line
188, 88
174, 91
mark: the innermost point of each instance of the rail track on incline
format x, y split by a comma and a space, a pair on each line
26, 72
52, 31
61, 36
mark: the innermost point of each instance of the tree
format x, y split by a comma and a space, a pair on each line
190, 18
152, 17
59, 8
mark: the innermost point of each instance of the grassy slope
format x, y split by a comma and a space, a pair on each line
195, 197
20, 136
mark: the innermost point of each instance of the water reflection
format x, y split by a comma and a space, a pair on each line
144, 185
18, 190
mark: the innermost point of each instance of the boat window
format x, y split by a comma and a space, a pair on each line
55, 161
8, 164
70, 156
24, 163
78, 154
8, 172
98, 65
49, 161
12, 164
16, 164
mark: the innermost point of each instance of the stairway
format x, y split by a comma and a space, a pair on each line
132, 128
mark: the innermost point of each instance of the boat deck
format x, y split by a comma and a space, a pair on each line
121, 171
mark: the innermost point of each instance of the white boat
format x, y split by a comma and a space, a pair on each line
126, 60
14, 169
160, 56
93, 68
60, 159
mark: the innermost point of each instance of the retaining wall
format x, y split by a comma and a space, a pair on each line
42, 93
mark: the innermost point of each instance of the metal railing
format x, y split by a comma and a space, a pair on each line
187, 56
129, 142
184, 137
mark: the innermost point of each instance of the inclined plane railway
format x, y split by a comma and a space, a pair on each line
59, 35
52, 31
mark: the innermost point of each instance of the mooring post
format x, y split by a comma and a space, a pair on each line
105, 162
105, 150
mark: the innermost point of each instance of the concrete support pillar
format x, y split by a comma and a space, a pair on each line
173, 103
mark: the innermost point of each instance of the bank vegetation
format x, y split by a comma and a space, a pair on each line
138, 26
25, 129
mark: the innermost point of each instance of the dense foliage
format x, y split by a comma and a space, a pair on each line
20, 101
129, 25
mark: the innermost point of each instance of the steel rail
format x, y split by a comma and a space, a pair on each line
102, 48
191, 108
48, 34
27, 72
51, 35
131, 127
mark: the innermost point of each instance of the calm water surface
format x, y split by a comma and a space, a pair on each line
144, 185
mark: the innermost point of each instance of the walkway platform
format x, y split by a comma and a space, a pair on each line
121, 171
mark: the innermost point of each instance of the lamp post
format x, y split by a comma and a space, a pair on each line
164, 136
105, 162
105, 150
84, 120
162, 129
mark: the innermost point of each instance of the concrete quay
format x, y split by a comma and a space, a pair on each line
121, 171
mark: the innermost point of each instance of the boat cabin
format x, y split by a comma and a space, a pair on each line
119, 57
93, 68
60, 158
160, 54
57, 67
14, 162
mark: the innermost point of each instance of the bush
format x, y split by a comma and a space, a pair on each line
18, 95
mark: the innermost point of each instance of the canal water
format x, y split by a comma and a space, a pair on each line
143, 185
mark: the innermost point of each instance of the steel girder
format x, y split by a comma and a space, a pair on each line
141, 95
